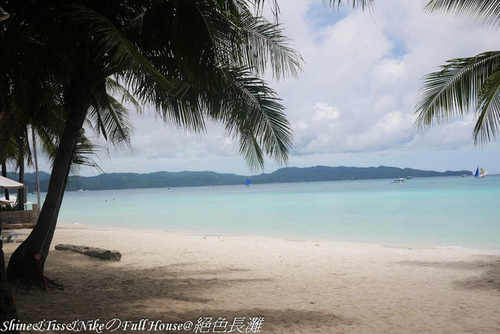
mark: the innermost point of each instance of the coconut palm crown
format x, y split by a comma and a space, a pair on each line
465, 85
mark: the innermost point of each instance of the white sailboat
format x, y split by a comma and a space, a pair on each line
480, 172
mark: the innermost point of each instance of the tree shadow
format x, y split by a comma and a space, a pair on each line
488, 280
97, 289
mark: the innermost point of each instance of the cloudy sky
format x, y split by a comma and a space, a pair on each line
353, 104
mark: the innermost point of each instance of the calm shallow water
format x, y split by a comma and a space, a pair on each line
450, 211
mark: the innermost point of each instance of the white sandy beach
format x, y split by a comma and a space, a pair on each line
297, 286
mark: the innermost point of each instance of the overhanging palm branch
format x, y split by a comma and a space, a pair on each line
489, 109
82, 156
114, 88
266, 127
112, 51
462, 86
265, 43
227, 39
487, 11
252, 111
177, 38
112, 123
108, 117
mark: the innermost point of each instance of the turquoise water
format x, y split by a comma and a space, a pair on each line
451, 211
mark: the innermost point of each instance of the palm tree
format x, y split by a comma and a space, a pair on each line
189, 59
465, 85
18, 56
162, 76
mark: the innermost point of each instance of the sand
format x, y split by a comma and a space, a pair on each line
277, 285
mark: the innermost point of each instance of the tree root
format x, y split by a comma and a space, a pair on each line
41, 283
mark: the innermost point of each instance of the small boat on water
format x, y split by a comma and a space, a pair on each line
480, 172
248, 183
399, 180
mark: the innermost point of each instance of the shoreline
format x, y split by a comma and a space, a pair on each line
299, 286
292, 237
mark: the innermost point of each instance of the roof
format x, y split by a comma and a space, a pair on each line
6, 183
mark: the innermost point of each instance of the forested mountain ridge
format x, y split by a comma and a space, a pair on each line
190, 179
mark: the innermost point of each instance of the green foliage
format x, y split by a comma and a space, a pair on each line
486, 11
465, 85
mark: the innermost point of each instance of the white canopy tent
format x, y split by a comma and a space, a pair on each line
6, 183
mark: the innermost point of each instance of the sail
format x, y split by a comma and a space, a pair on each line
248, 182
480, 172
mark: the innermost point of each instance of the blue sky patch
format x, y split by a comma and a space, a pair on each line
320, 15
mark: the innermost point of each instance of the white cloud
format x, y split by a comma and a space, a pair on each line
325, 112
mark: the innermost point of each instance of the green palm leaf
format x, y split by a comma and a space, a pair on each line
489, 110
487, 11
462, 85
252, 111
112, 49
265, 44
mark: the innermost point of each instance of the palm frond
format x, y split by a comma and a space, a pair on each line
112, 122
114, 49
488, 109
455, 89
264, 42
487, 11
82, 155
83, 151
254, 113
181, 108
110, 117
177, 37
116, 89
250, 150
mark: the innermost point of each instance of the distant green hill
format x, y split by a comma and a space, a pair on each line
152, 180
323, 173
191, 179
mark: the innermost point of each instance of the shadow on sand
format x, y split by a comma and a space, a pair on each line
489, 265
96, 289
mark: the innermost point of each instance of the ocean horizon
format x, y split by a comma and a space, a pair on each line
434, 211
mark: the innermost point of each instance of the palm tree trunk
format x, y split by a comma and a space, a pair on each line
27, 262
4, 174
7, 307
37, 174
8, 312
21, 192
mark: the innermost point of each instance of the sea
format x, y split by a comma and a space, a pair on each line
419, 212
